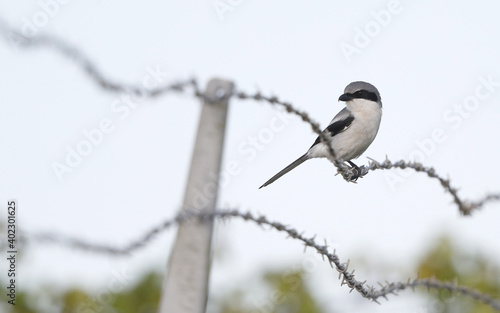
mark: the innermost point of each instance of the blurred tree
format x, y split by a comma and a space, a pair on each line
143, 297
446, 262
287, 292
22, 303
282, 291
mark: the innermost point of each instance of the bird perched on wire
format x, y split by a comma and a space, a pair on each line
352, 130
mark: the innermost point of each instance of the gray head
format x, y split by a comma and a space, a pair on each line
361, 90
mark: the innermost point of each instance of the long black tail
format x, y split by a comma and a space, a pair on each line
287, 169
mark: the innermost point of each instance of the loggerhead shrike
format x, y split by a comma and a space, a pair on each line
352, 130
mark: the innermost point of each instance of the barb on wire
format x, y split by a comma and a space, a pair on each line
347, 277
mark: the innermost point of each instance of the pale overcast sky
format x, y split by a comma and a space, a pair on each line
435, 63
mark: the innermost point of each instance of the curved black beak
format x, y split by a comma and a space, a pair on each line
346, 97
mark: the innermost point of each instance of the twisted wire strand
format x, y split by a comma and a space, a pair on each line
347, 276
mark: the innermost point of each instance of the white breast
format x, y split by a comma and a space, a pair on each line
352, 142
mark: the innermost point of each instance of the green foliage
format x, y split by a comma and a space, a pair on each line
279, 291
22, 304
141, 298
75, 301
286, 292
445, 262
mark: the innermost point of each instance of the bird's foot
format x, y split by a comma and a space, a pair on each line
356, 172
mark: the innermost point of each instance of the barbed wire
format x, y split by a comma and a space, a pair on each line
347, 277
74, 54
432, 283
71, 52
464, 206
350, 175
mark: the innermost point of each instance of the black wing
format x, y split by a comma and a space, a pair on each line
336, 127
